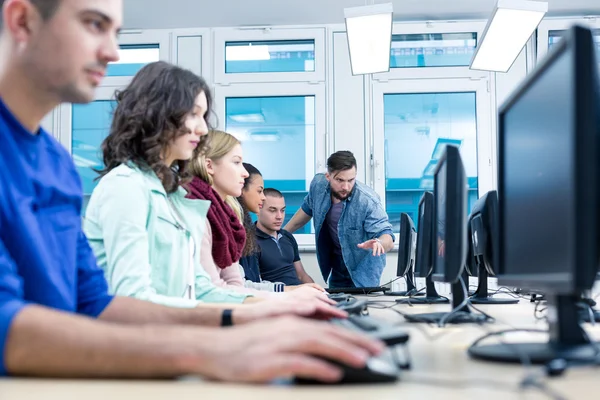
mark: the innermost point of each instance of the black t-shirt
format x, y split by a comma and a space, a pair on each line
277, 256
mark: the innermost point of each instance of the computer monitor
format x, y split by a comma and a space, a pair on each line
407, 243
483, 249
548, 196
424, 251
449, 237
450, 217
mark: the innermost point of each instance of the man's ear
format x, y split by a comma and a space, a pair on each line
20, 18
327, 176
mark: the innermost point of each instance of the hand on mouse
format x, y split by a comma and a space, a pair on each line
282, 348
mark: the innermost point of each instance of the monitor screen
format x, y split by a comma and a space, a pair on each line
424, 251
440, 223
538, 174
406, 248
450, 217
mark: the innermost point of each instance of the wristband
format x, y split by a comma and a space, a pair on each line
226, 318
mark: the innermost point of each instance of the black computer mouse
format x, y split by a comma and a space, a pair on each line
377, 370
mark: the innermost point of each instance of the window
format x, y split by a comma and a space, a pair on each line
132, 58
432, 50
270, 56
281, 127
555, 36
278, 137
90, 124
550, 32
255, 55
414, 122
420, 126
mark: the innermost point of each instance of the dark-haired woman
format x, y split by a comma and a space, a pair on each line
144, 232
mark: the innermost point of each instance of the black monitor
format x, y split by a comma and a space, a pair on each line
424, 252
449, 237
548, 196
483, 249
450, 217
407, 242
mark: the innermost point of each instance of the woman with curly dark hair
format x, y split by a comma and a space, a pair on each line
144, 232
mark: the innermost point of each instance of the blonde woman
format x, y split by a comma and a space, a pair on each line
219, 176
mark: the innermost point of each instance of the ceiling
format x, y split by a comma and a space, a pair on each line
157, 14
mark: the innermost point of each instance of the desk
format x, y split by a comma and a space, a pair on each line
443, 358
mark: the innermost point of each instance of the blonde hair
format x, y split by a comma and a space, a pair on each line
219, 144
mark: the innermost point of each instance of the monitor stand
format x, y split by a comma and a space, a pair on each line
481, 296
431, 295
411, 289
461, 316
587, 310
567, 340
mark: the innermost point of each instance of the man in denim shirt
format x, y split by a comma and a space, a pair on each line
352, 229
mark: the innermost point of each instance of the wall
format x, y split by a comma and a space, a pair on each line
349, 115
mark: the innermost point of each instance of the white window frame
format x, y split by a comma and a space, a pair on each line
435, 72
221, 93
560, 24
223, 35
486, 135
205, 56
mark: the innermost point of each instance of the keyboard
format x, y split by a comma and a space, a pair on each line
374, 327
357, 290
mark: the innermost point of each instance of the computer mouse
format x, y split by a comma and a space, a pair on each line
377, 370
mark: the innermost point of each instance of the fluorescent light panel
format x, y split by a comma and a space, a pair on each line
369, 31
511, 25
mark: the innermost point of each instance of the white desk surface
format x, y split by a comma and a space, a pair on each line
442, 359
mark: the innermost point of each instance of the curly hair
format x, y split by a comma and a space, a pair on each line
149, 116
251, 245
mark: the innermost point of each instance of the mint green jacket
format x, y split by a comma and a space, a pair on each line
143, 246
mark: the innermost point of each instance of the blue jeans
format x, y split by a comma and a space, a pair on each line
340, 277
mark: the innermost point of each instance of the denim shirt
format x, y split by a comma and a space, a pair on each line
363, 218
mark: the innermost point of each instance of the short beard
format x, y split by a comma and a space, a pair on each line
339, 196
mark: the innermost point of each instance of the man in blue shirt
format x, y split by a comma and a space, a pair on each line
56, 317
349, 219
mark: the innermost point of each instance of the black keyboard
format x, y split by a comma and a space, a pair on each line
357, 290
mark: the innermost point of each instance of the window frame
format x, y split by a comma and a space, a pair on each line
224, 35
221, 93
205, 55
434, 72
132, 38
486, 135
559, 24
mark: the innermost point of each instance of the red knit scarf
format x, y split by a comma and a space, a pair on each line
228, 234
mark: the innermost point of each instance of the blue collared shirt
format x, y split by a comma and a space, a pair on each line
363, 218
45, 258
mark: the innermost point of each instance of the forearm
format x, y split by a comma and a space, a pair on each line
43, 342
133, 311
298, 221
387, 242
305, 278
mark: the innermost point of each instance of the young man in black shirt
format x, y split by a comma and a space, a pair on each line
279, 259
